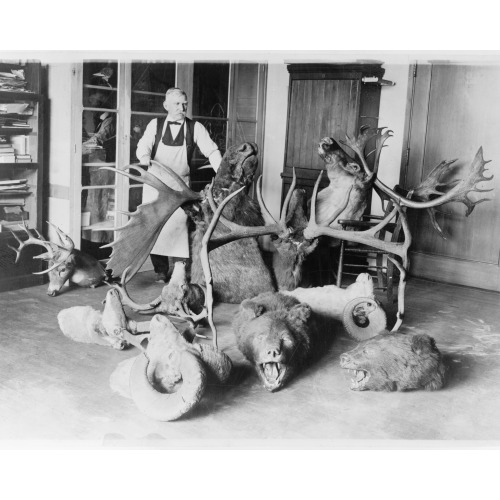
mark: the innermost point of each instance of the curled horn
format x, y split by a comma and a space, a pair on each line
166, 406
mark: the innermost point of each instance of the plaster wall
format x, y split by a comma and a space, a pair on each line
274, 135
59, 144
392, 115
59, 93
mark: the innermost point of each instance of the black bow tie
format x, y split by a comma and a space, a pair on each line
174, 123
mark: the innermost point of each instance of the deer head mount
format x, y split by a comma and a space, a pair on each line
65, 262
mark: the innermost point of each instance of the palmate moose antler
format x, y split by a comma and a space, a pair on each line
134, 245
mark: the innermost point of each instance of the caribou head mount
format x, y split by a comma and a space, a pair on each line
66, 263
343, 171
344, 174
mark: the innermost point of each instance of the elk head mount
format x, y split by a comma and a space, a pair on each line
138, 236
65, 261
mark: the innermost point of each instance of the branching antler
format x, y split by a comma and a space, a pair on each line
138, 236
64, 239
368, 237
429, 186
458, 193
32, 241
358, 145
179, 318
421, 199
125, 298
235, 232
379, 144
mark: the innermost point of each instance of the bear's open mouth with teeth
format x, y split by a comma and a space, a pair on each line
272, 374
359, 378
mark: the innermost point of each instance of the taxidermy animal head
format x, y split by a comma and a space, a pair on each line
395, 362
170, 377
88, 325
178, 297
274, 332
65, 261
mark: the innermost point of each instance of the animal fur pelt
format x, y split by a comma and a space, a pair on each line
88, 325
275, 333
238, 268
395, 362
329, 301
83, 324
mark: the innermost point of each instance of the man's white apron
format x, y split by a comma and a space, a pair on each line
173, 239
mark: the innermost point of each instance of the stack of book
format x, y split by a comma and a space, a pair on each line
13, 80
14, 150
13, 192
9, 124
7, 152
23, 158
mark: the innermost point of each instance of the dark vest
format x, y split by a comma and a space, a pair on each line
189, 137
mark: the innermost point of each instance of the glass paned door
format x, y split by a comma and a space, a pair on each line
99, 132
228, 99
149, 83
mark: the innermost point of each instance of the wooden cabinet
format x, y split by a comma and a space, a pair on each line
325, 100
21, 160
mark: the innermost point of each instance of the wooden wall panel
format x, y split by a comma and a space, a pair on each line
456, 110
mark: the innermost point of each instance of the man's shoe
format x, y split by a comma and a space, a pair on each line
161, 278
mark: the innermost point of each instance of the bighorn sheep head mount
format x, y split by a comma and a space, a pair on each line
170, 377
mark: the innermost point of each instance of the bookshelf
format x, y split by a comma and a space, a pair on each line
21, 169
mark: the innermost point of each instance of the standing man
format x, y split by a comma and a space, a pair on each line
171, 141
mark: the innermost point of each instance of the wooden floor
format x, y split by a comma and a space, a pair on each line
55, 392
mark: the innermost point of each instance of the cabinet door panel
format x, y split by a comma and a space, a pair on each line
462, 106
319, 108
